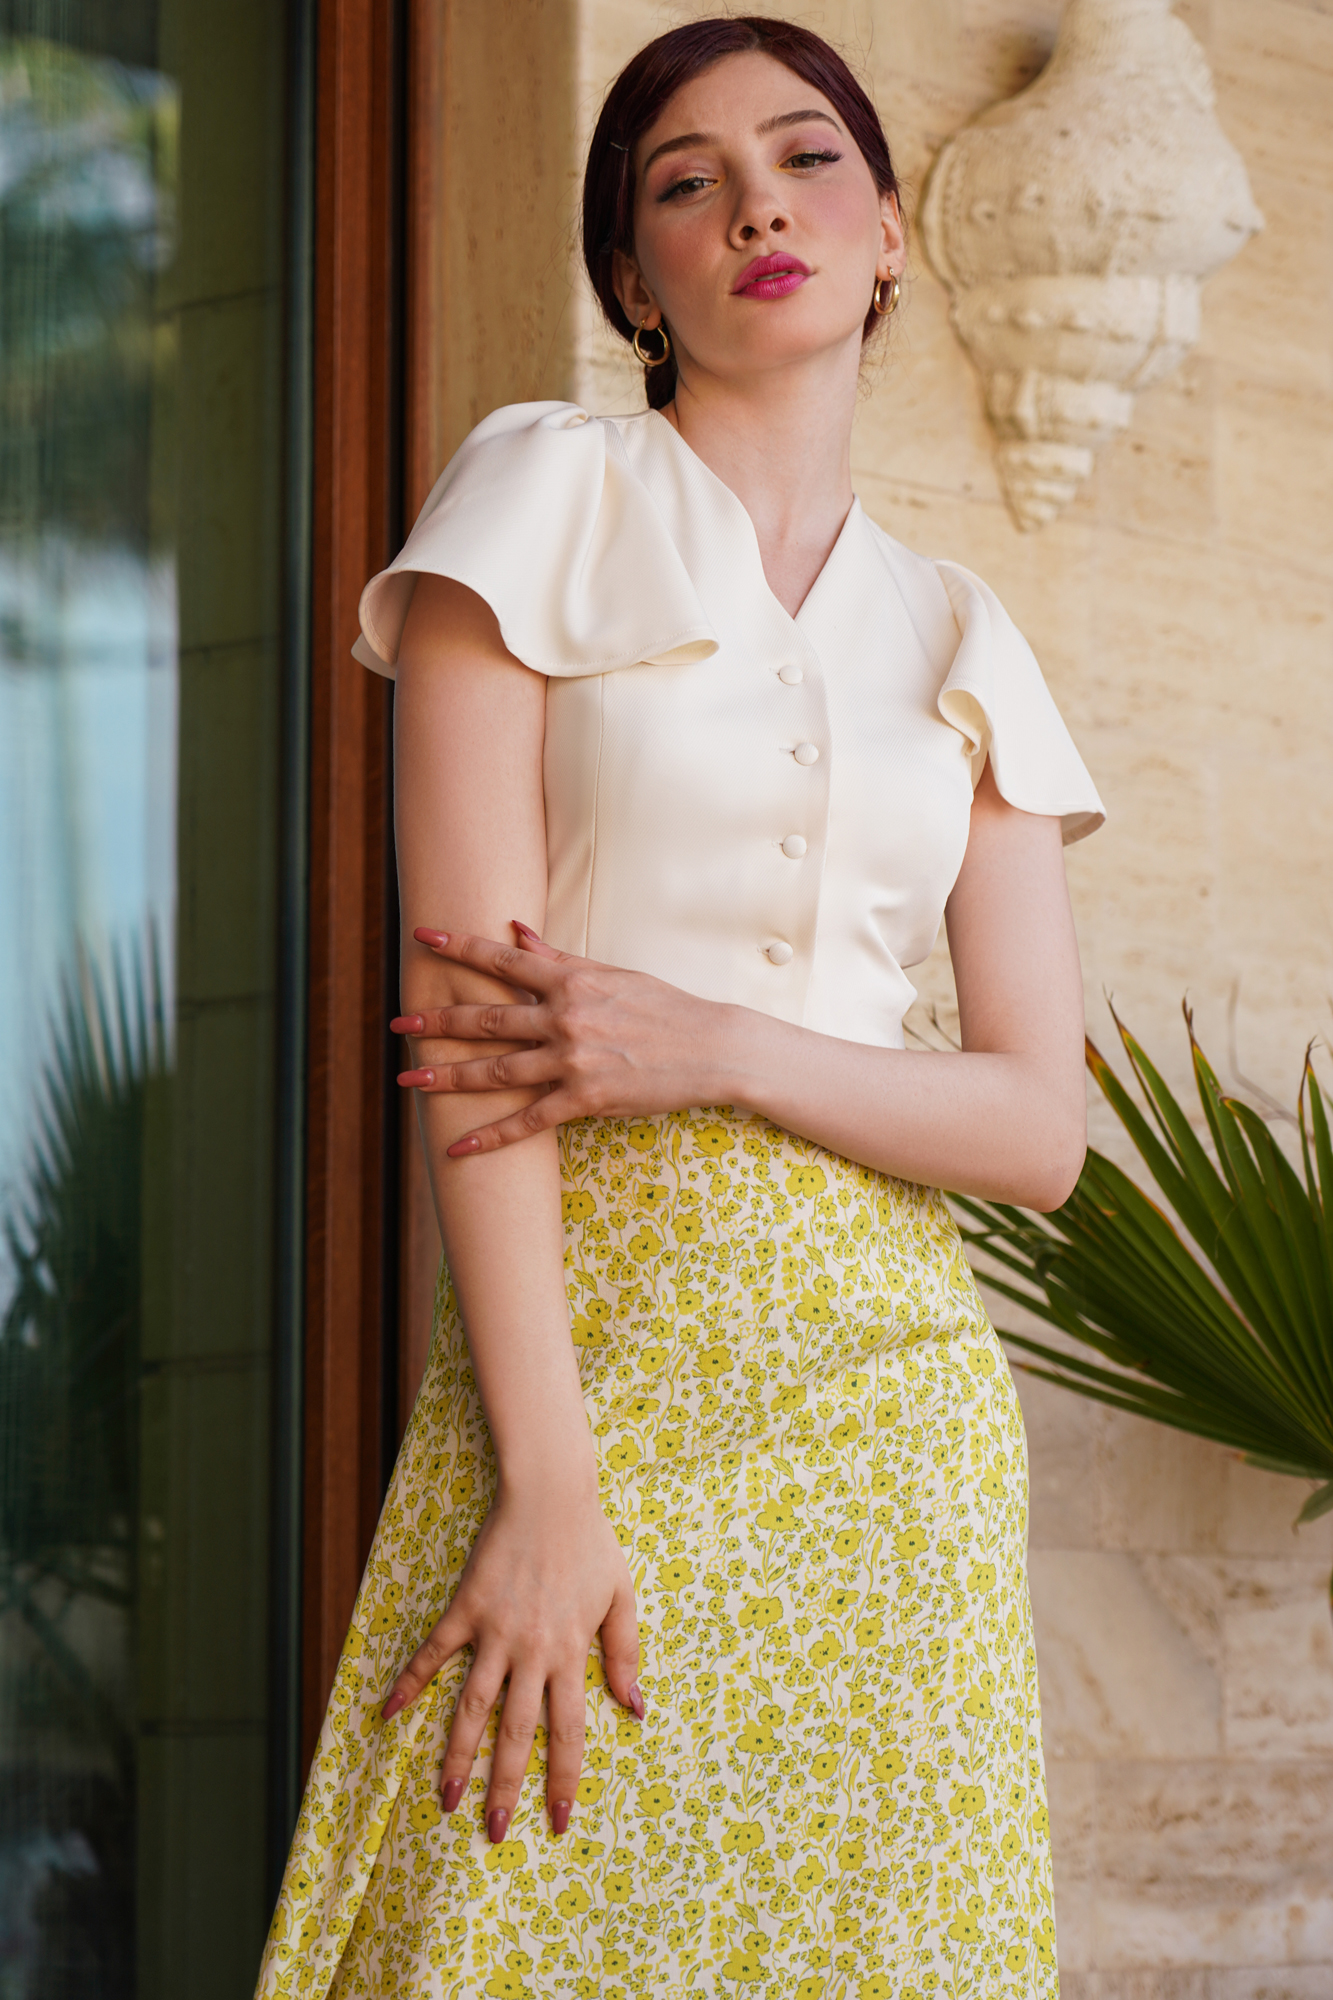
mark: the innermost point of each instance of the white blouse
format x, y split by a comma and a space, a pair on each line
758, 808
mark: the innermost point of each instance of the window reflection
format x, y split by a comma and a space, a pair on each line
141, 447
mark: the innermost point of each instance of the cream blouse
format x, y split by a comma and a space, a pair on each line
758, 808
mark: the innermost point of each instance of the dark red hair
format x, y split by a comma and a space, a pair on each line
638, 94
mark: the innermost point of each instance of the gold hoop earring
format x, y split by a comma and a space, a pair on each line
653, 360
877, 296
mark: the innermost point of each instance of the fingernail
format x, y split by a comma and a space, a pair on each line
410, 1079
636, 1701
407, 1024
436, 938
560, 1811
526, 930
460, 1146
392, 1706
497, 1825
452, 1793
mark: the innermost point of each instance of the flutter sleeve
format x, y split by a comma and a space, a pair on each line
995, 696
540, 514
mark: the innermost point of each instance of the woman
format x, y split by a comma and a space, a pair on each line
668, 701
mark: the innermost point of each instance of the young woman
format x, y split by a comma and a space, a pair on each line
709, 1522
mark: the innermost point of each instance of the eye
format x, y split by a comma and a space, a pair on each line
811, 156
687, 184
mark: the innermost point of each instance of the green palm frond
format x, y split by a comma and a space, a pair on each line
1222, 1326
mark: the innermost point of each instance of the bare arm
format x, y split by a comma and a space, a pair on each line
1004, 1119
546, 1571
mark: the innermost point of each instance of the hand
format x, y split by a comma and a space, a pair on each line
601, 1042
541, 1580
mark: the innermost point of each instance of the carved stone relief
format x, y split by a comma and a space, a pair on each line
1072, 225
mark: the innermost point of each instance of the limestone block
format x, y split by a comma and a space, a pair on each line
1214, 1862
1121, 1676
1278, 1690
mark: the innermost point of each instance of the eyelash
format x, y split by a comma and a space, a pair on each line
821, 155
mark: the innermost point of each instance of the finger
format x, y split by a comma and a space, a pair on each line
502, 1022
526, 1069
476, 1702
513, 1752
620, 1650
548, 1111
446, 1637
502, 961
529, 941
567, 1715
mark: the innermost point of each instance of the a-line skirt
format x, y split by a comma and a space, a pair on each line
812, 1452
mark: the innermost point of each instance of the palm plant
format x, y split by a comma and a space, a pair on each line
1228, 1335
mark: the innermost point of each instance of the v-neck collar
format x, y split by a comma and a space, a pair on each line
854, 516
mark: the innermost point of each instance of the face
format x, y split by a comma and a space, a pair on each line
759, 232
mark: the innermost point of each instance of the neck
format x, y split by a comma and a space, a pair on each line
782, 442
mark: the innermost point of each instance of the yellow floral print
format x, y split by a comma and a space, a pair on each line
811, 1450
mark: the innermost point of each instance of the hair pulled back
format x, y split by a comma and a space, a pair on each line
636, 97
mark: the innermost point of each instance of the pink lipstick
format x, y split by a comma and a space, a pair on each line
771, 277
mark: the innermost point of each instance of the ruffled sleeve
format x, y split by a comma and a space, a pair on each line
539, 513
995, 696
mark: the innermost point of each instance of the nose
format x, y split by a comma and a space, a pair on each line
759, 211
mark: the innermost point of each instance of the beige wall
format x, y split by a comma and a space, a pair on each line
1181, 610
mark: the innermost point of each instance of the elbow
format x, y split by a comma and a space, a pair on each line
1054, 1176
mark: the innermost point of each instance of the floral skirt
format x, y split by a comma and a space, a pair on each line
812, 1452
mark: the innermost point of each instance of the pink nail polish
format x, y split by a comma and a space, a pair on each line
437, 939
412, 1079
497, 1825
636, 1702
407, 1024
525, 930
560, 1811
461, 1146
392, 1706
452, 1793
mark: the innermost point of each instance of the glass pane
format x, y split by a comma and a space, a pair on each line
143, 154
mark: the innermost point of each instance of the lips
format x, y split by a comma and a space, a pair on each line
771, 278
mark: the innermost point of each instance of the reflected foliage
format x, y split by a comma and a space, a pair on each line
87, 162
70, 1356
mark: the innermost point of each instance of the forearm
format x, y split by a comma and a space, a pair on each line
1005, 1126
500, 1221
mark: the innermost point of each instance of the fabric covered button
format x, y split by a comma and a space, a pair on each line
790, 675
780, 952
793, 847
806, 753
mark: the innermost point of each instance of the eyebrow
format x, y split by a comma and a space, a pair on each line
688, 139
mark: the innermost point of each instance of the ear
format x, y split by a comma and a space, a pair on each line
892, 238
636, 299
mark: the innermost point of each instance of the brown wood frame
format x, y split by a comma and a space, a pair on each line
351, 1139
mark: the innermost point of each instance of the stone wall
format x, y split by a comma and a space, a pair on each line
1181, 609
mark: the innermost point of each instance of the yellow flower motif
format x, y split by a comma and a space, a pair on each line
968, 1800
806, 1181
788, 1399
888, 1766
506, 1986
644, 1243
877, 1987
590, 1790
756, 1741
778, 1515
715, 1361
586, 1331
384, 1620
1043, 1941
809, 1877
654, 1800
1015, 1958
888, 1413
965, 1929
981, 1361
981, 1577
978, 1703
713, 1139
852, 1855
618, 1888
573, 1902
761, 1611
869, 1632
507, 1856
426, 1813
743, 1837
675, 1575
817, 1311
744, 1965
810, 1989
621, 1456
577, 1205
